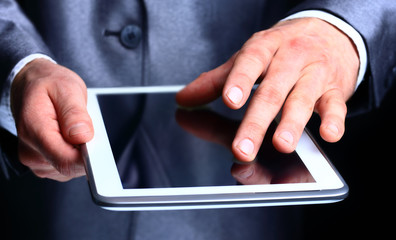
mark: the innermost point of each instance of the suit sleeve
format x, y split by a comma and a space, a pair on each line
376, 23
18, 39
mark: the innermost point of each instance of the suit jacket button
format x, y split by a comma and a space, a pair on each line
131, 36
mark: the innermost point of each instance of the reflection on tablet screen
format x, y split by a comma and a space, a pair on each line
156, 144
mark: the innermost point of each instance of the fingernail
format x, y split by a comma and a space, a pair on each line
246, 173
235, 95
246, 146
78, 129
287, 137
333, 129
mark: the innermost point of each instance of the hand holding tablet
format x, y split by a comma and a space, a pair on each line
148, 154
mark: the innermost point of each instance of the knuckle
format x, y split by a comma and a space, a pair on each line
255, 129
259, 34
254, 54
301, 101
322, 63
243, 77
43, 171
300, 44
324, 57
334, 102
275, 34
315, 48
334, 96
270, 96
72, 111
40, 173
65, 163
30, 160
297, 125
342, 107
26, 160
65, 168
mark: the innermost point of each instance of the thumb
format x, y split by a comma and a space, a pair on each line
74, 122
207, 87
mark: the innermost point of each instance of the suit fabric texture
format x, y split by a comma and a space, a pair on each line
149, 42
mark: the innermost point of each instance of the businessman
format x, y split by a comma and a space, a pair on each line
313, 60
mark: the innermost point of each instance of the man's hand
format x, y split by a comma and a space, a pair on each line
48, 102
303, 65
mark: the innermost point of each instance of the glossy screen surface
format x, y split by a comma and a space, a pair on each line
156, 144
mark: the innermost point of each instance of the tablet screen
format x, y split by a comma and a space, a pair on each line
156, 144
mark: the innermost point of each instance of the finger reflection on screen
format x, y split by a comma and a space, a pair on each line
269, 167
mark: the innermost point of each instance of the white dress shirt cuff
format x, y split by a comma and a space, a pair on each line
7, 120
344, 27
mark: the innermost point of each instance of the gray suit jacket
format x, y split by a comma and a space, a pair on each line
178, 39
148, 42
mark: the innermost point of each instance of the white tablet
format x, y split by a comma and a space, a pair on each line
150, 154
